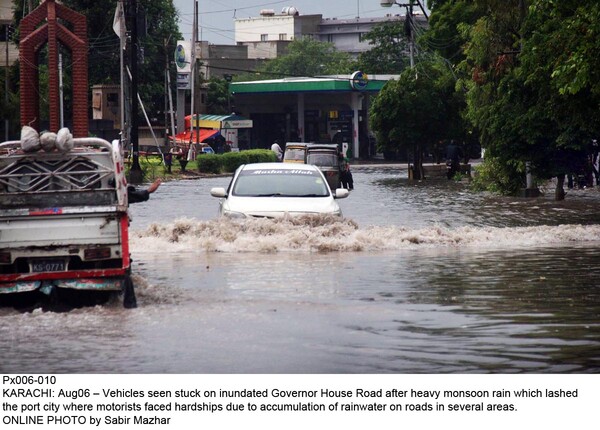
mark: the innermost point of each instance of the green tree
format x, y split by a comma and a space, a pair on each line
560, 58
531, 108
389, 51
217, 100
160, 17
307, 57
103, 54
414, 112
499, 105
448, 25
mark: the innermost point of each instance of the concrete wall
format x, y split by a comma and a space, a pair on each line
275, 28
6, 11
346, 34
251, 29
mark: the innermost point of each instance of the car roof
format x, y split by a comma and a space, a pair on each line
330, 146
279, 166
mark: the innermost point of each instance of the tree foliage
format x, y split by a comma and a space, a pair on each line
448, 28
532, 94
389, 48
415, 112
530, 74
218, 101
307, 57
156, 45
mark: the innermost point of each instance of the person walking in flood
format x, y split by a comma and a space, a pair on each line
346, 179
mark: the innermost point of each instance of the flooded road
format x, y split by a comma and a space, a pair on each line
419, 277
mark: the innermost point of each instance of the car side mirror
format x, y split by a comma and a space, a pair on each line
218, 192
341, 193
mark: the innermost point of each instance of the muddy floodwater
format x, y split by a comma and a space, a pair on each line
418, 277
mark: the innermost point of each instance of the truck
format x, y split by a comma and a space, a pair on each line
64, 224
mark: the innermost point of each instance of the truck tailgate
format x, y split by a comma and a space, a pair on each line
57, 230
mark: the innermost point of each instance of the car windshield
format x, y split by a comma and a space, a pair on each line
280, 183
295, 154
322, 159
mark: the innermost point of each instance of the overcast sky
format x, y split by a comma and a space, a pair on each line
216, 17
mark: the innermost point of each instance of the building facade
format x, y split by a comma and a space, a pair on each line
347, 35
268, 35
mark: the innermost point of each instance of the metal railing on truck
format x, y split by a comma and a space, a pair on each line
83, 176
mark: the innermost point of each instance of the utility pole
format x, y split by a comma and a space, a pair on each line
135, 173
166, 41
123, 118
409, 23
195, 78
6, 78
192, 77
411, 33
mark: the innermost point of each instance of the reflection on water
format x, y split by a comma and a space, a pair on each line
419, 277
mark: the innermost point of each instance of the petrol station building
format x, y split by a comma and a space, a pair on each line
324, 109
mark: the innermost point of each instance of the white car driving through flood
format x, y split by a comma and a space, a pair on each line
270, 190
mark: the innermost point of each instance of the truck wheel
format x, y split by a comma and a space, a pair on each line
129, 300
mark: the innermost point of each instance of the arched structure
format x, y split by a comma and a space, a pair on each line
42, 26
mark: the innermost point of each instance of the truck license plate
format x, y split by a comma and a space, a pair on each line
48, 266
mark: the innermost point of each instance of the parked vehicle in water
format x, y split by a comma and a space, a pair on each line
278, 189
327, 158
64, 221
295, 152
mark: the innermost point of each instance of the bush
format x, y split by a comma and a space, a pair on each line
209, 163
261, 156
497, 177
232, 160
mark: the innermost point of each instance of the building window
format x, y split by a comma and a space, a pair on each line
360, 37
330, 38
264, 37
282, 36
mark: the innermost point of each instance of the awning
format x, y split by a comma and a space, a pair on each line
190, 136
219, 121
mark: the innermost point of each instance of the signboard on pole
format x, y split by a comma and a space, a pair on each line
183, 60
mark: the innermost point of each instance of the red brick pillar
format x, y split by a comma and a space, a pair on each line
39, 27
